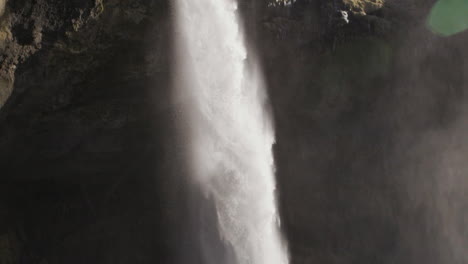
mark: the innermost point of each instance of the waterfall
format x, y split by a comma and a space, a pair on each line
227, 128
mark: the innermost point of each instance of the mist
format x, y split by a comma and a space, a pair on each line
230, 135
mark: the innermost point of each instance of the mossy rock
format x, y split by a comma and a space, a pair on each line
363, 7
2, 6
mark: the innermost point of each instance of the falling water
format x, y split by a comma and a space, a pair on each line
229, 131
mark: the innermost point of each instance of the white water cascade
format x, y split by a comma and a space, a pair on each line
228, 130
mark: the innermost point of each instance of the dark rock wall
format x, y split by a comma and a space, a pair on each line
82, 134
368, 117
369, 114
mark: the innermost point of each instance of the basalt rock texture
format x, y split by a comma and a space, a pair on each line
369, 113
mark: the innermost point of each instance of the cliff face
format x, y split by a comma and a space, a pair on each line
82, 130
366, 115
361, 91
77, 71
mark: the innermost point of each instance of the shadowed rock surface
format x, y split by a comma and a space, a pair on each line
370, 122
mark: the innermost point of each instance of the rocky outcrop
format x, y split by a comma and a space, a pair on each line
66, 28
23, 27
363, 7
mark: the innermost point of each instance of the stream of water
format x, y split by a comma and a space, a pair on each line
228, 129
